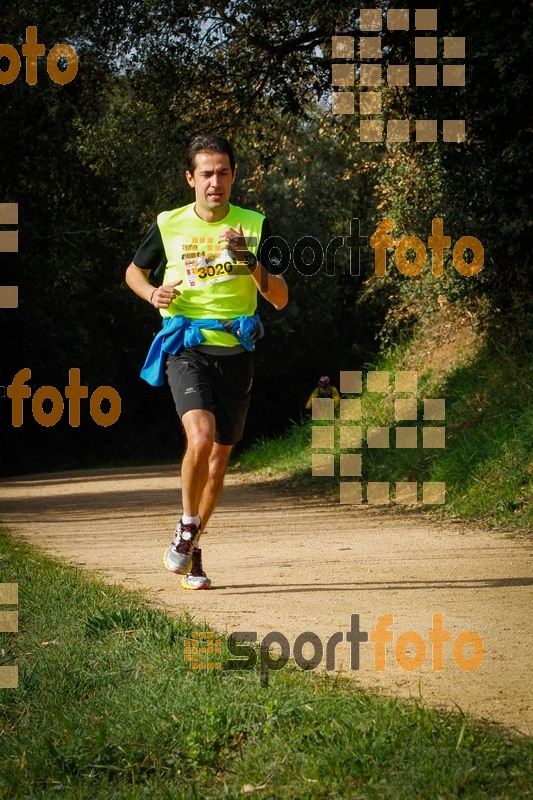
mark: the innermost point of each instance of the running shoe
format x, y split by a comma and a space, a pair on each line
178, 555
196, 578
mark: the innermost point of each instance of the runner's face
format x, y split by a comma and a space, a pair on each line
212, 181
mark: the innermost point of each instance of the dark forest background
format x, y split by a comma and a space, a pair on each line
92, 162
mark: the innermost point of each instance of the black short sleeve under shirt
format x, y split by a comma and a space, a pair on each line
151, 252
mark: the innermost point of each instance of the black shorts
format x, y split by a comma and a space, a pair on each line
220, 384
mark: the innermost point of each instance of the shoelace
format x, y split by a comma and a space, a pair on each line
184, 545
196, 568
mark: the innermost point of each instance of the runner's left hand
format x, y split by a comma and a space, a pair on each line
235, 240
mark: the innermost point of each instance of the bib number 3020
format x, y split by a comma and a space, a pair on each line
220, 270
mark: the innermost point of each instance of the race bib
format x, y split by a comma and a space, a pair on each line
205, 269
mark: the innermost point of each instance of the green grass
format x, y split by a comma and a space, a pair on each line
487, 463
107, 708
287, 453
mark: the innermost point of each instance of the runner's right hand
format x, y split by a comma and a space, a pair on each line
164, 295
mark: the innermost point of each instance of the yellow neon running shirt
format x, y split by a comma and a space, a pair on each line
214, 285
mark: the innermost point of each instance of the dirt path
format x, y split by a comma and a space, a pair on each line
283, 563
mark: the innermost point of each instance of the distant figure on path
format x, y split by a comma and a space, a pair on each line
324, 389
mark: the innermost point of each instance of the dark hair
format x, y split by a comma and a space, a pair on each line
208, 143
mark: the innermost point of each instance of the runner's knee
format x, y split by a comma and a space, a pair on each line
199, 445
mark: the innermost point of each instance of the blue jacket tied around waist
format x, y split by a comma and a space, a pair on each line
181, 332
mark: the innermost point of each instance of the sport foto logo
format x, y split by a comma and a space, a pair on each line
333, 445
437, 242
32, 50
429, 51
18, 391
410, 648
309, 255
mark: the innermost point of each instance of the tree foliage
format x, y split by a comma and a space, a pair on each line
92, 162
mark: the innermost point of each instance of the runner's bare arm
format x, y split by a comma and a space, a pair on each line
273, 287
160, 297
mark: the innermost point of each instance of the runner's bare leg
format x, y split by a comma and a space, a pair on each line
200, 431
204, 465
218, 464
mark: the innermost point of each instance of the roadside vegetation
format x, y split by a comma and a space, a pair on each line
107, 708
109, 156
486, 382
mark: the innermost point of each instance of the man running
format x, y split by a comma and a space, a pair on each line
208, 299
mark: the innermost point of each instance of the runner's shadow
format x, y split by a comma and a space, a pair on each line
370, 586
